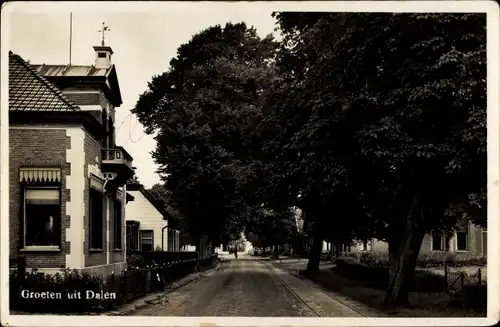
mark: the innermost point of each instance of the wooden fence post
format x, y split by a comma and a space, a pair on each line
479, 279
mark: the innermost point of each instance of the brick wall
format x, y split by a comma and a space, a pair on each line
37, 148
92, 149
84, 99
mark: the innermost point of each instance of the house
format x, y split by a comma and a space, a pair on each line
149, 226
66, 174
469, 240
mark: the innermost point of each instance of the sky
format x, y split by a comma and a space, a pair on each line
143, 44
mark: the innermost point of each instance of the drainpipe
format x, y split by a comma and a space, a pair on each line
162, 237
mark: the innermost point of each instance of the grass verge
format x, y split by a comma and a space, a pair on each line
423, 304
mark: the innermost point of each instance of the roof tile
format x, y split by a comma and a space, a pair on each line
29, 91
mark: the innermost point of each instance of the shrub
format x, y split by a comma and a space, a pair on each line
425, 260
136, 260
57, 289
378, 276
159, 257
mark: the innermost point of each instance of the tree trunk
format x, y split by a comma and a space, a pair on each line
403, 255
276, 252
315, 253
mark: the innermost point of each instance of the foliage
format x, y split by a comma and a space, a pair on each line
269, 228
374, 124
390, 131
425, 260
378, 275
150, 258
63, 283
204, 109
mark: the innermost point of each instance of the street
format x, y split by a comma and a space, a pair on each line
248, 287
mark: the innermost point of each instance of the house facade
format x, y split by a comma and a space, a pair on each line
149, 226
468, 241
67, 176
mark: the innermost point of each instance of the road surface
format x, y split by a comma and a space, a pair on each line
249, 287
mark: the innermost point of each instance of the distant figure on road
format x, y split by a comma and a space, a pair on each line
235, 253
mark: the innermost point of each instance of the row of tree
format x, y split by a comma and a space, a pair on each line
374, 124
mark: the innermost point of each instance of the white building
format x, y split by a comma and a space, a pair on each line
149, 226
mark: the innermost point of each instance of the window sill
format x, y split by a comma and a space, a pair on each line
117, 250
95, 250
462, 251
41, 248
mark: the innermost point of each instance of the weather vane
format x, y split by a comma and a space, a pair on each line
104, 28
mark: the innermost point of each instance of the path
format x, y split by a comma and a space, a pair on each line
248, 287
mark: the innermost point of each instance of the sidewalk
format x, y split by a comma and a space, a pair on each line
294, 267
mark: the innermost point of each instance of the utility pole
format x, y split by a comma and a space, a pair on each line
70, 34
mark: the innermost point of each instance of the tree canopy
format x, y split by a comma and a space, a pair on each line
374, 124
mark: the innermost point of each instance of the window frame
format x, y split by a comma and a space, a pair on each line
141, 237
444, 242
95, 188
24, 189
466, 232
117, 233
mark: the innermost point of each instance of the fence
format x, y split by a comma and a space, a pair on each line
105, 292
457, 280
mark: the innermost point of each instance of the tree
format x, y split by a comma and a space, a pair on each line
271, 228
204, 110
390, 129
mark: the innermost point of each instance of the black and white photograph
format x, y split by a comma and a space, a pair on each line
250, 163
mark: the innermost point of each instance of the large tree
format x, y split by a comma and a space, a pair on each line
388, 118
203, 111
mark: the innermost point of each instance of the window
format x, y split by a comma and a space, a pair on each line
117, 231
146, 240
132, 236
42, 217
171, 239
101, 55
437, 241
96, 201
440, 241
365, 246
462, 241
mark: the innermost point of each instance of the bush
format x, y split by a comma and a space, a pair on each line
378, 276
56, 289
425, 260
136, 260
150, 258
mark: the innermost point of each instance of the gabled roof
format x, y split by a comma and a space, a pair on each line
29, 91
155, 203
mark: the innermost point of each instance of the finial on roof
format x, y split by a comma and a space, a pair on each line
104, 28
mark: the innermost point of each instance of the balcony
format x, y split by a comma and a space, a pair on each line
117, 160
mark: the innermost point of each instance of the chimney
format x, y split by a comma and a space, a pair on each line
102, 56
